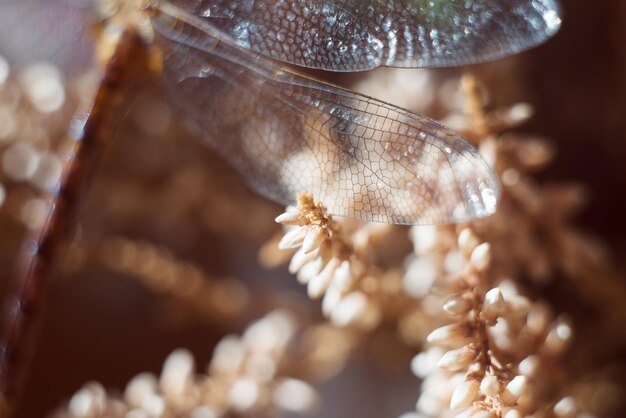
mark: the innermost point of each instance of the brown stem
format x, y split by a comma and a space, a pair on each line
474, 107
23, 307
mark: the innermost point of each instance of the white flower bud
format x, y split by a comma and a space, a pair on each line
299, 259
293, 238
457, 305
558, 337
538, 318
464, 395
448, 335
467, 241
518, 305
309, 270
454, 262
291, 218
349, 309
228, 355
481, 256
514, 389
88, 401
318, 284
490, 385
420, 274
139, 388
343, 276
155, 405
424, 363
177, 372
313, 239
520, 112
331, 300
244, 394
424, 238
260, 366
295, 396
565, 408
529, 366
429, 404
493, 306
459, 359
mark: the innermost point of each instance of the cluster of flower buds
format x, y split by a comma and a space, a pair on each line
243, 378
326, 262
34, 111
485, 363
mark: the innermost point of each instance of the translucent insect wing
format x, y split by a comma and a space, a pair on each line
354, 35
287, 134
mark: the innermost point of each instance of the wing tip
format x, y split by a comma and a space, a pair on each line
544, 20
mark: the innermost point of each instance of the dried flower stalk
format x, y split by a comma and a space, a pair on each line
213, 300
328, 263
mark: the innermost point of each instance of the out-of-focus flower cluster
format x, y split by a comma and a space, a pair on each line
36, 105
497, 356
253, 374
210, 299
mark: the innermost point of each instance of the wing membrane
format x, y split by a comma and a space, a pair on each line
288, 134
354, 35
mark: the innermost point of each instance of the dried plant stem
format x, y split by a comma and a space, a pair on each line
474, 107
216, 301
26, 301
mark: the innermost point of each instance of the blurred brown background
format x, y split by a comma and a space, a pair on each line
580, 96
103, 326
